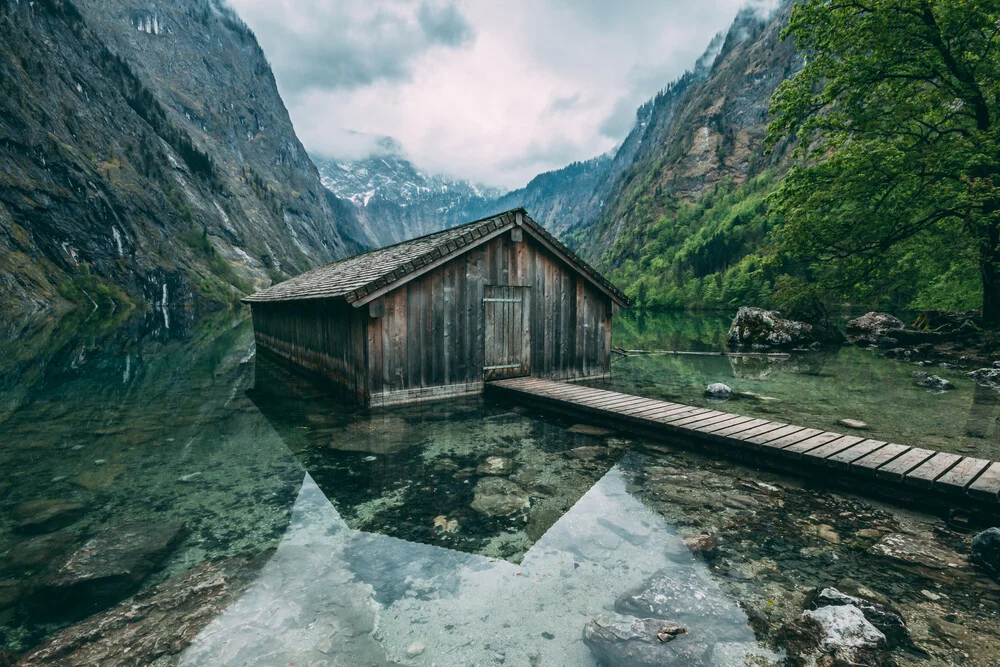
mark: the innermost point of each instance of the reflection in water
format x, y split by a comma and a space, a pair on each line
814, 389
456, 532
359, 598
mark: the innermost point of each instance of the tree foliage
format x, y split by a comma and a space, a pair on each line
896, 116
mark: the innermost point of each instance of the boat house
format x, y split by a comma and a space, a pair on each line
442, 314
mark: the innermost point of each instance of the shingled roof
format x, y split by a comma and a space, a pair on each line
359, 278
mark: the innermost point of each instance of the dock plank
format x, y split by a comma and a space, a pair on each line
987, 485
759, 431
835, 446
736, 428
927, 473
764, 438
959, 477
800, 448
734, 420
845, 458
901, 465
879, 458
791, 438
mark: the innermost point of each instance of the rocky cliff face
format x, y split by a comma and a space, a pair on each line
145, 155
706, 128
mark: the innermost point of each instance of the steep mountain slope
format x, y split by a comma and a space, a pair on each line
394, 201
145, 154
682, 220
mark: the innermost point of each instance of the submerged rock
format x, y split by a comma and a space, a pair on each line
589, 429
702, 545
107, 567
986, 550
641, 642
935, 382
986, 377
846, 636
589, 453
688, 596
496, 465
888, 621
853, 423
910, 549
871, 327
496, 496
718, 390
45, 516
162, 622
759, 328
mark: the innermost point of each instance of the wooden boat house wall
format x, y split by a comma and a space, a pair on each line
442, 314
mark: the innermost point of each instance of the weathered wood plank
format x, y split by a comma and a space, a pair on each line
735, 431
694, 418
959, 477
763, 438
732, 422
901, 465
845, 458
806, 446
925, 474
758, 431
836, 446
791, 439
987, 485
879, 457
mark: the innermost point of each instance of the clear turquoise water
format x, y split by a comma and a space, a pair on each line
388, 538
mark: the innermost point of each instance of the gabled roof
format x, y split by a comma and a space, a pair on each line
362, 278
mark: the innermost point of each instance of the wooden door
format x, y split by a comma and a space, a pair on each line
507, 334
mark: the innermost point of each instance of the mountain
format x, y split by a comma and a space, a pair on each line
394, 201
684, 219
145, 155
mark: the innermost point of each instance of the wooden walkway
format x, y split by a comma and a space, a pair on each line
955, 478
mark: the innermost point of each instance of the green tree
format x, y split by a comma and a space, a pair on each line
896, 116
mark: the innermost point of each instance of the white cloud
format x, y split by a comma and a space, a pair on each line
490, 91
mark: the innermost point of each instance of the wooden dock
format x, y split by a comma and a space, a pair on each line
929, 476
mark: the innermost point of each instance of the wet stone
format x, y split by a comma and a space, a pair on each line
917, 550
107, 567
37, 552
496, 465
846, 636
702, 545
985, 550
45, 516
587, 453
853, 423
589, 429
635, 642
689, 596
496, 496
888, 621
718, 391
155, 625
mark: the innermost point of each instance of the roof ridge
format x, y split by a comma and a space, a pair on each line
364, 276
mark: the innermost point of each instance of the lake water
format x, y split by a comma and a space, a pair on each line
167, 498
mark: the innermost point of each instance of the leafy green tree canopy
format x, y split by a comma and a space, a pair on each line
896, 119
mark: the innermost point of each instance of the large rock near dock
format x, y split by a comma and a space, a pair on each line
765, 329
107, 567
871, 327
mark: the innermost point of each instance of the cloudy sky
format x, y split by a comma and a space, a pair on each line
494, 91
